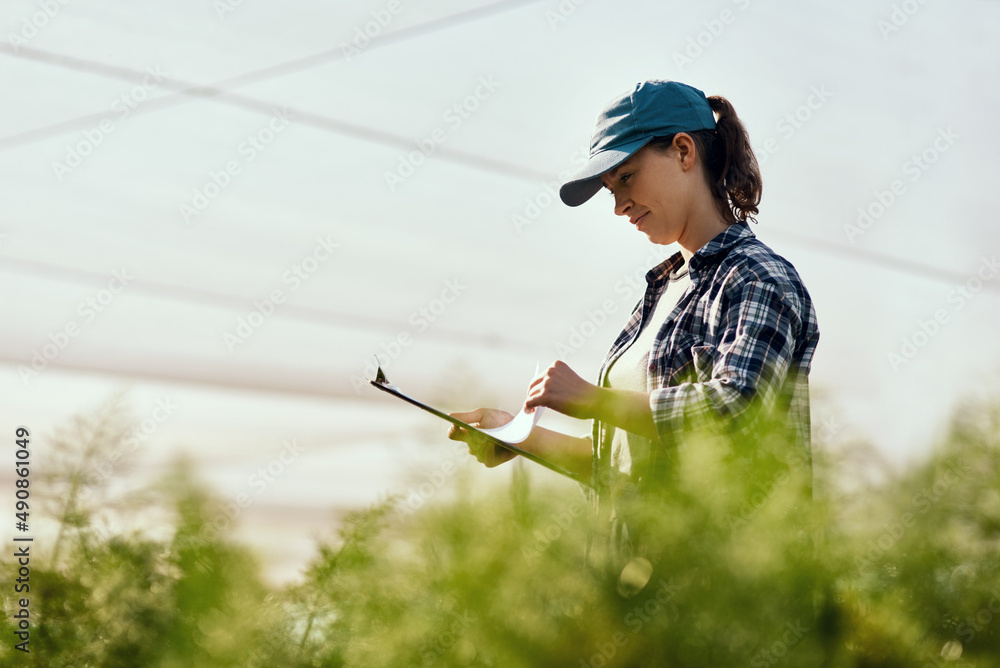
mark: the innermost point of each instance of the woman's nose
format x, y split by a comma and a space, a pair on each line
622, 205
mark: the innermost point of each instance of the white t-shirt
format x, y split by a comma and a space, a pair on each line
629, 371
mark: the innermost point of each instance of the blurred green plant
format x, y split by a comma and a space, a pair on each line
736, 566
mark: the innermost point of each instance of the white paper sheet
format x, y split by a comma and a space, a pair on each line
518, 429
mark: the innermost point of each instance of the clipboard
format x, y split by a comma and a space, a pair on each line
382, 383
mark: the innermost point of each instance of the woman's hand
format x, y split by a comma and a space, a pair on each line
561, 389
486, 452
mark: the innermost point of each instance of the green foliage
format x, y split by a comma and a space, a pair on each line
127, 600
730, 562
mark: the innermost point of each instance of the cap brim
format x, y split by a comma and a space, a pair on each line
587, 181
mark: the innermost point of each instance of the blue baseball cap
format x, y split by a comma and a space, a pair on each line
651, 109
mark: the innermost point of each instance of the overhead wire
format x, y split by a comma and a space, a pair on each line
221, 91
184, 91
215, 92
238, 303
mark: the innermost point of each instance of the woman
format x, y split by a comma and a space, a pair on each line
726, 328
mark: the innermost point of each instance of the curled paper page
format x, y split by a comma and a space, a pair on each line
507, 436
518, 429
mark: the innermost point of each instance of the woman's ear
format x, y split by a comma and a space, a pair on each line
686, 150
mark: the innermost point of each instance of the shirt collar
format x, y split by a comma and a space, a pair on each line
661, 272
722, 242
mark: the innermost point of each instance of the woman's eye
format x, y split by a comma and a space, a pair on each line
625, 178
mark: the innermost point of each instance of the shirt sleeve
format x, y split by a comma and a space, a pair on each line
758, 330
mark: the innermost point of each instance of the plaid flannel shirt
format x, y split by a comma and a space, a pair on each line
744, 331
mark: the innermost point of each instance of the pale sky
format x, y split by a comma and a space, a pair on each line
299, 185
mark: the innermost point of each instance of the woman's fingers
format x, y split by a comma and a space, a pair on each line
536, 390
561, 389
480, 448
472, 417
541, 389
533, 401
456, 433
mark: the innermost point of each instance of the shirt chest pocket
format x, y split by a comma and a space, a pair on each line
689, 359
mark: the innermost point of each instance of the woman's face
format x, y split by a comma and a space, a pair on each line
653, 188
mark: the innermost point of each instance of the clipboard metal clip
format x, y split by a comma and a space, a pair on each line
383, 384
380, 378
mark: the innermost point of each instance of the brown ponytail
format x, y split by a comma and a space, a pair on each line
731, 169
731, 166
